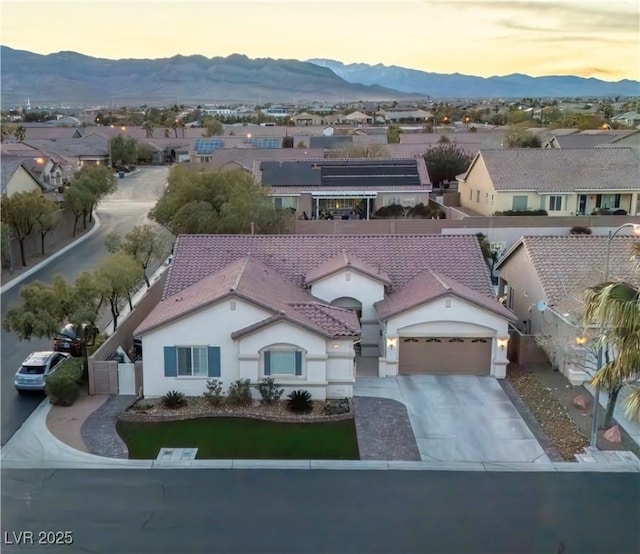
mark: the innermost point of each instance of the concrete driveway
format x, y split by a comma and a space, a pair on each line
459, 418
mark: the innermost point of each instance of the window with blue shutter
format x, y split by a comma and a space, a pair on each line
214, 361
170, 362
298, 362
267, 363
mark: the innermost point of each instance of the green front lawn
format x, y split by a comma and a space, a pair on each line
238, 438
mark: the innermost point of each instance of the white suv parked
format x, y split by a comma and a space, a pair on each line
36, 368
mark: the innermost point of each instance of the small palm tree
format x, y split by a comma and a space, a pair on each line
20, 133
615, 307
148, 128
166, 133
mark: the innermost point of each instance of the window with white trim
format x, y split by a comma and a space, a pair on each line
282, 361
555, 203
477, 196
192, 361
285, 202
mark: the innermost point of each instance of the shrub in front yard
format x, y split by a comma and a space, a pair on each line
580, 230
269, 390
239, 393
214, 392
63, 386
174, 400
299, 401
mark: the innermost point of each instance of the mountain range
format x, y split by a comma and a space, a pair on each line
437, 85
73, 78
69, 77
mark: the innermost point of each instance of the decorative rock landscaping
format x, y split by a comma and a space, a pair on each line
152, 410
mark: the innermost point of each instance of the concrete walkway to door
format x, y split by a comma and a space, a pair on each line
459, 418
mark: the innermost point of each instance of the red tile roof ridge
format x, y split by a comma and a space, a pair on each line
440, 279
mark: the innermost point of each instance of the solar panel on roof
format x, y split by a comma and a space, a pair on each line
207, 145
269, 142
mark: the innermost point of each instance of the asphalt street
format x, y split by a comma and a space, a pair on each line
314, 511
125, 209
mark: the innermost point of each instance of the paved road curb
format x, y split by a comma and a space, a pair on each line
53, 256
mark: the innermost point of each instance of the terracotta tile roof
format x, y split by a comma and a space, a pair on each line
345, 260
567, 265
252, 280
401, 257
561, 170
430, 285
246, 157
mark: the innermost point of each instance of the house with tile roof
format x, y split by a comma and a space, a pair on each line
309, 310
561, 181
590, 139
344, 187
555, 270
18, 174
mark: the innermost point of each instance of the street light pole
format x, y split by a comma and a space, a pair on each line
596, 401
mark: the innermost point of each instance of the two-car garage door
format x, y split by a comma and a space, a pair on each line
445, 355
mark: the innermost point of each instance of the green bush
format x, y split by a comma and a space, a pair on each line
522, 212
174, 400
392, 210
214, 392
420, 210
299, 401
239, 393
269, 390
63, 386
580, 230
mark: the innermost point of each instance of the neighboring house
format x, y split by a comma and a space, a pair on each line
298, 308
588, 139
556, 270
630, 119
561, 181
349, 187
306, 119
245, 158
356, 118
407, 116
26, 175
91, 149
167, 151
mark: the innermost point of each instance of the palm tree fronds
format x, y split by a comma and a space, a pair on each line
632, 407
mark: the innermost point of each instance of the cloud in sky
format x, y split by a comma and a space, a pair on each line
473, 37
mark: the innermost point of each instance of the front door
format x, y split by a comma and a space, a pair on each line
582, 204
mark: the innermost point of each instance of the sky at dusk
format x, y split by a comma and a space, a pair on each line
587, 38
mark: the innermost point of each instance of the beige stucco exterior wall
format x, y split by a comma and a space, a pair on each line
519, 273
21, 181
488, 201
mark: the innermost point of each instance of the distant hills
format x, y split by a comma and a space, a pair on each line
69, 77
455, 85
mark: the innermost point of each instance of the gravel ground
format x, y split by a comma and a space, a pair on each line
559, 427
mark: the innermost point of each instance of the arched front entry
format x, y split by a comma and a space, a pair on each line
349, 303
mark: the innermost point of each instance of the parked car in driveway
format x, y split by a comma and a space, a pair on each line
68, 339
33, 372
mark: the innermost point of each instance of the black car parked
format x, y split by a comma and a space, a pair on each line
68, 339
